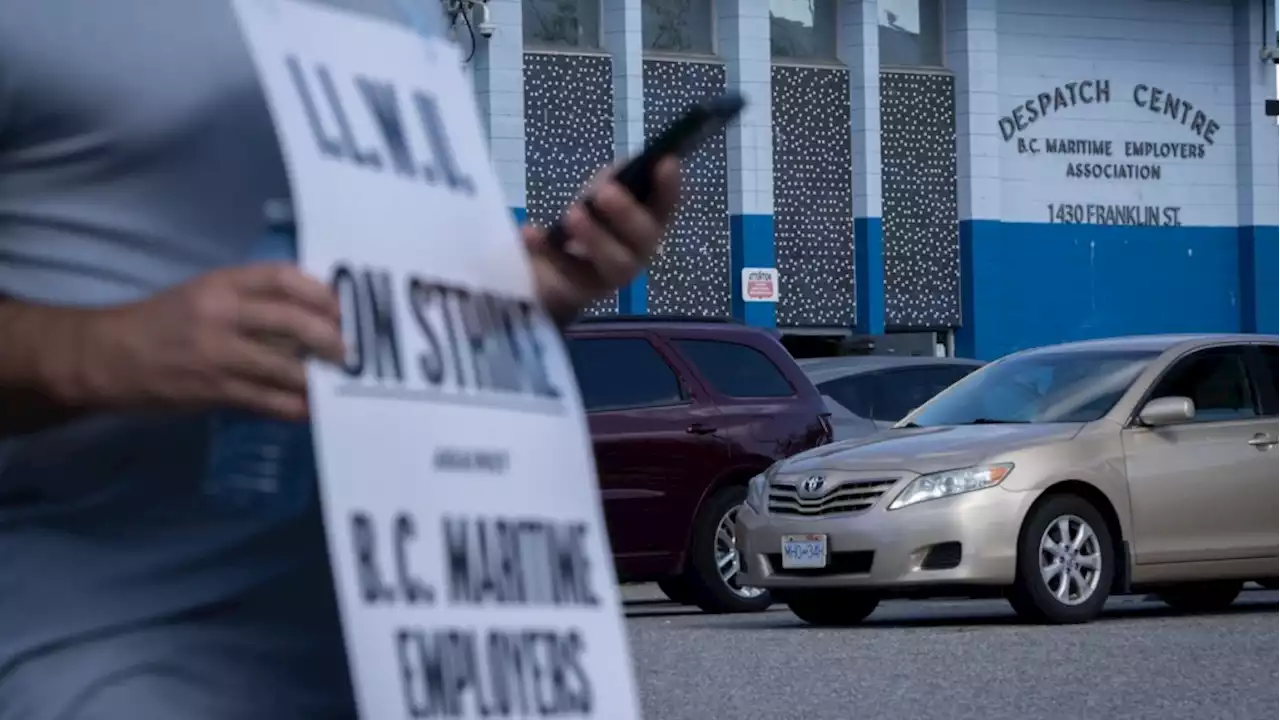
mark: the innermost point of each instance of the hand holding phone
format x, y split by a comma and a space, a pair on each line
680, 139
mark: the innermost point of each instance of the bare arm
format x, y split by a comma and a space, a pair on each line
42, 356
37, 346
213, 341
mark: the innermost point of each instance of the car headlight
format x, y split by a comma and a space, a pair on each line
951, 482
758, 493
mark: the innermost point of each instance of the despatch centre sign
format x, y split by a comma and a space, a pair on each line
1145, 157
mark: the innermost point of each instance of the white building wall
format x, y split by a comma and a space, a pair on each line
859, 50
973, 45
1117, 174
497, 71
743, 43
1183, 49
621, 25
859, 39
1257, 136
1030, 130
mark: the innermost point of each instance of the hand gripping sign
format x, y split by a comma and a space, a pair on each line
463, 521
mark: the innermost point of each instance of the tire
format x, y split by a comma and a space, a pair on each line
1202, 597
707, 589
676, 590
832, 608
1037, 599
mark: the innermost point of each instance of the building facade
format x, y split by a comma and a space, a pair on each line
1018, 172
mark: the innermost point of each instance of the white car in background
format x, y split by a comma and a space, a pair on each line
868, 393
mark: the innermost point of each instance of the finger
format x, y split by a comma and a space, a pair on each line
535, 238
631, 222
666, 189
665, 181
282, 404
572, 273
314, 334
273, 365
604, 176
287, 281
612, 261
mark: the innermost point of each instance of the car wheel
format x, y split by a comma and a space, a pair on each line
677, 590
832, 608
711, 573
1201, 597
1065, 562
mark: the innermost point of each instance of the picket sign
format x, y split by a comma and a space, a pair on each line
463, 517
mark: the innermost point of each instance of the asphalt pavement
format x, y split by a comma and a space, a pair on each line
956, 660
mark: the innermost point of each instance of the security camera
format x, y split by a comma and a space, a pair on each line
1272, 54
484, 25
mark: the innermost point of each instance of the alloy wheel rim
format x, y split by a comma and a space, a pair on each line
726, 556
1070, 560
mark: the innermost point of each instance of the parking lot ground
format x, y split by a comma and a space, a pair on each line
956, 660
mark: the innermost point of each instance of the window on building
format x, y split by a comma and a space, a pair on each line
598, 364
911, 33
678, 26
562, 23
803, 29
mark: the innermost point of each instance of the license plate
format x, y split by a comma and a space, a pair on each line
804, 551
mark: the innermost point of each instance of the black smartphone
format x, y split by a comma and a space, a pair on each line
680, 139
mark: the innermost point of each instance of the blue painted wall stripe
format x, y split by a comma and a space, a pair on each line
868, 271
967, 340
1248, 279
633, 299
1259, 254
751, 245
1028, 284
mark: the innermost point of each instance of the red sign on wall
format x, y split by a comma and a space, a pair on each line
760, 285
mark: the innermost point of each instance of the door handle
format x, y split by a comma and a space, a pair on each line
700, 429
1261, 441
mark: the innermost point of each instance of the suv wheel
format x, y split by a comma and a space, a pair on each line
832, 608
1201, 597
1065, 562
711, 573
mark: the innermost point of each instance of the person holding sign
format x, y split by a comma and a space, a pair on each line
137, 155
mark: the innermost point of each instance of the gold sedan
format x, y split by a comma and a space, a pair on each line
1053, 477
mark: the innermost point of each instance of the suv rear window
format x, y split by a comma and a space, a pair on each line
888, 395
618, 373
909, 388
855, 392
736, 370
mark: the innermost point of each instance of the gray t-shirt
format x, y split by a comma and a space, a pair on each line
136, 152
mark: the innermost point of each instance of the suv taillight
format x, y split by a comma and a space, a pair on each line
828, 432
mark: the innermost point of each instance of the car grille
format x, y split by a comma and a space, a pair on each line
842, 499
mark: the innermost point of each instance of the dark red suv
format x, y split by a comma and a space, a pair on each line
683, 413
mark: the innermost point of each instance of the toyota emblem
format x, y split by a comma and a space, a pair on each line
812, 485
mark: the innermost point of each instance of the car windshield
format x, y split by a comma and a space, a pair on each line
1062, 387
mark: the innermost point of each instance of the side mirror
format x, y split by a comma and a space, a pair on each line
1167, 411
